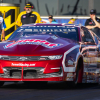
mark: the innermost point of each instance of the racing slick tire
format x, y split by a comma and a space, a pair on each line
1, 83
79, 74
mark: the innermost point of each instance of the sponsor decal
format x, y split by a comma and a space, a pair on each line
54, 30
83, 80
31, 16
69, 74
69, 79
43, 43
70, 62
91, 81
24, 16
54, 37
21, 64
1, 19
28, 30
23, 58
20, 30
92, 70
90, 22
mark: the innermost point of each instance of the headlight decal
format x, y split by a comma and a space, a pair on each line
54, 57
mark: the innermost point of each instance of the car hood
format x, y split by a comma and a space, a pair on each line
36, 45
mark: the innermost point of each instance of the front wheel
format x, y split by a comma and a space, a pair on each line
79, 73
77, 76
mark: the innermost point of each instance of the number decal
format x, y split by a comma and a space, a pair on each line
11, 13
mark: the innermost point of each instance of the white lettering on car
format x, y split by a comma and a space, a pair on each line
21, 64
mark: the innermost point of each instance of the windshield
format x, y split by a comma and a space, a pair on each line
61, 31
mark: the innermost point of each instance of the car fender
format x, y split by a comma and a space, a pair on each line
77, 56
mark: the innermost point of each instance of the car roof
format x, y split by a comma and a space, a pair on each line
56, 24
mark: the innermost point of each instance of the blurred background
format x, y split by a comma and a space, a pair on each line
62, 10
60, 7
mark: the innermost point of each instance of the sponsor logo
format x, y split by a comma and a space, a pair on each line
24, 16
23, 58
69, 74
69, 79
91, 70
31, 16
90, 22
54, 37
21, 64
16, 21
70, 62
43, 43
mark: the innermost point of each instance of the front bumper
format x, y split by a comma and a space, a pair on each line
31, 73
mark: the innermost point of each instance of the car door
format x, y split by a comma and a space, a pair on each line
97, 41
92, 54
84, 50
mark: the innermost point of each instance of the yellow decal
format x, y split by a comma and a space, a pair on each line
31, 16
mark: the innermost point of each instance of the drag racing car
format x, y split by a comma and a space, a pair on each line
50, 52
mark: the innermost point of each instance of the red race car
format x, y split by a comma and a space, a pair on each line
50, 52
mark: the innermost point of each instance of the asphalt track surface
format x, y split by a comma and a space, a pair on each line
50, 91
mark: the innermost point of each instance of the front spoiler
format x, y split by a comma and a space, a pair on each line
39, 79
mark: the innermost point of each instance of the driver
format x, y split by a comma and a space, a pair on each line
28, 16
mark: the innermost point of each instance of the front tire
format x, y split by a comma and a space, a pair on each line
79, 73
77, 76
